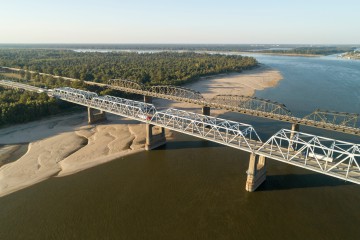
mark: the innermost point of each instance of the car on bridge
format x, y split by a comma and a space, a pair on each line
144, 117
318, 156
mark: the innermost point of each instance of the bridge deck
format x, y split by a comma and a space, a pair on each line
16, 85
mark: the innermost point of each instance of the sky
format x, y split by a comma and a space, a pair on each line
184, 21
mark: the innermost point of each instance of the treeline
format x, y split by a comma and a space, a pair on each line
312, 50
19, 107
149, 68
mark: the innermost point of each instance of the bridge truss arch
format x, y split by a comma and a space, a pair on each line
74, 95
127, 85
332, 157
176, 93
234, 134
241, 102
128, 108
336, 118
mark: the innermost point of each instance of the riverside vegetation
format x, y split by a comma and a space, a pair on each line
165, 68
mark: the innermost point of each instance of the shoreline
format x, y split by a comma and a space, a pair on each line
292, 54
64, 145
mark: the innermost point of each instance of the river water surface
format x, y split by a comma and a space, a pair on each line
193, 189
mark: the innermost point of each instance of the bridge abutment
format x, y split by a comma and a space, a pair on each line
95, 115
148, 99
256, 174
206, 110
154, 140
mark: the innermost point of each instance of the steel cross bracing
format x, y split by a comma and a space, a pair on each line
332, 157
254, 103
163, 91
339, 118
324, 155
238, 135
120, 106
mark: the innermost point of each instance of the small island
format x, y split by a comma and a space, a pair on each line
351, 55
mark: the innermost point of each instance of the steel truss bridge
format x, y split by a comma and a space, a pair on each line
331, 157
327, 156
329, 120
335, 121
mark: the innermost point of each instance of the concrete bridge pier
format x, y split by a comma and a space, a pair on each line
206, 110
294, 127
148, 99
154, 140
256, 174
95, 115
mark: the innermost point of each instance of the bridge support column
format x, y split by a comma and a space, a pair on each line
294, 127
147, 99
95, 115
206, 110
256, 174
154, 140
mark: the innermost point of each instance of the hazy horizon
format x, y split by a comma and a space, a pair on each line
187, 22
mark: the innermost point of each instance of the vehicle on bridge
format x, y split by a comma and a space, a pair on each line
145, 117
318, 156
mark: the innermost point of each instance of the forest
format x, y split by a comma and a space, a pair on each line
149, 68
20, 107
312, 50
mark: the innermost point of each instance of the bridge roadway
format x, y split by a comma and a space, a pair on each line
26, 87
323, 155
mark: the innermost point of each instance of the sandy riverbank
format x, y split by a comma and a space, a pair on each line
65, 145
245, 83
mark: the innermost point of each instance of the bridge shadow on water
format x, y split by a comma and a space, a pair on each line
189, 144
293, 181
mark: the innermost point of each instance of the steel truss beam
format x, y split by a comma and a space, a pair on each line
251, 103
120, 106
180, 93
336, 118
234, 134
124, 84
163, 91
325, 155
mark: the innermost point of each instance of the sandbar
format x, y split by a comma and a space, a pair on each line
63, 145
